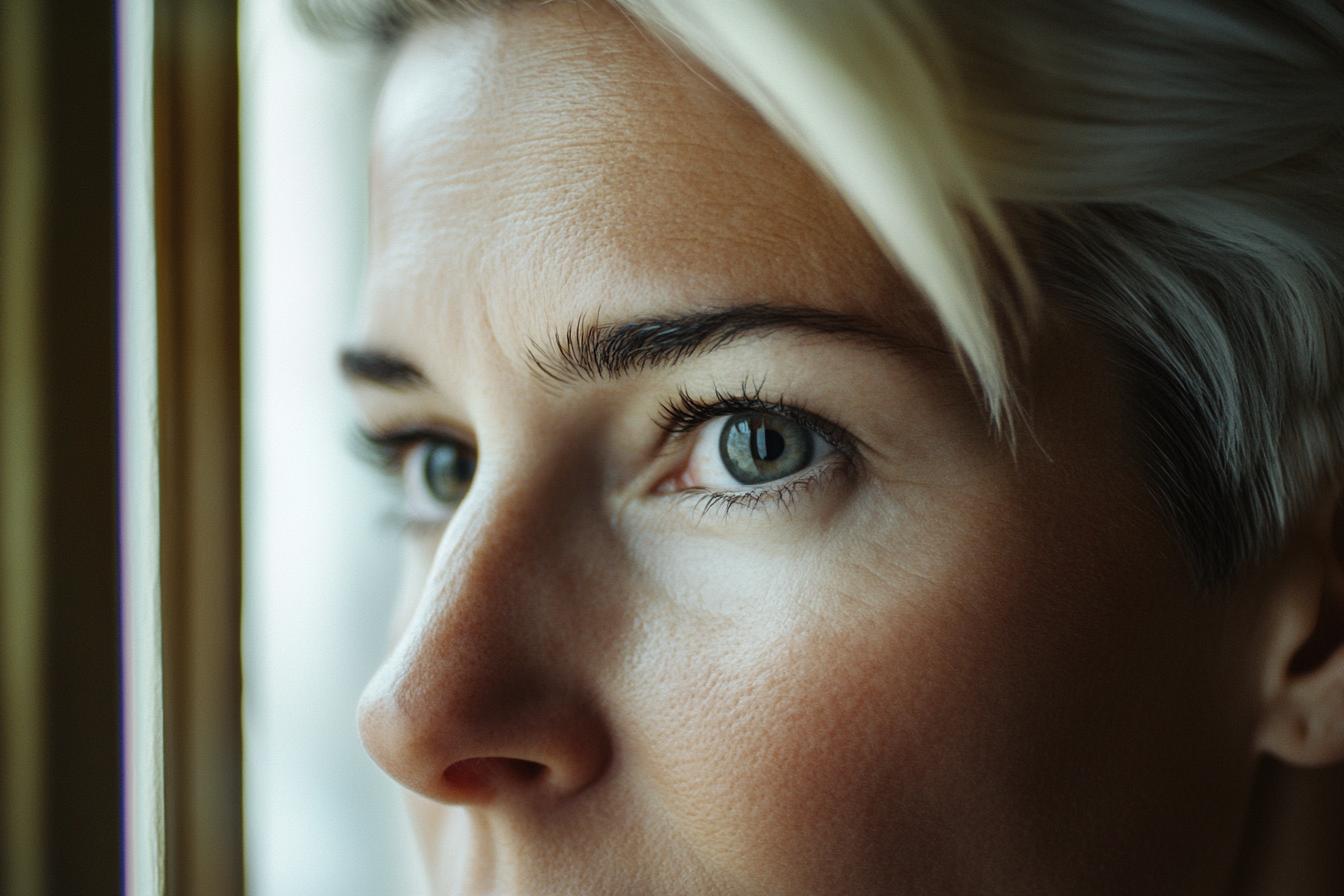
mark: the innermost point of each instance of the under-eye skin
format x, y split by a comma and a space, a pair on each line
435, 471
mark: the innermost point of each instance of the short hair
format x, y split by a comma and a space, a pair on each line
1169, 173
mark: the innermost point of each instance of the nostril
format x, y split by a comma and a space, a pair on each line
478, 779
524, 770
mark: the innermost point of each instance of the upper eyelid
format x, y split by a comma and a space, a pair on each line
387, 449
686, 413
409, 434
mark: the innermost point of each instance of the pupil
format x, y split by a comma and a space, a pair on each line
448, 472
758, 448
768, 444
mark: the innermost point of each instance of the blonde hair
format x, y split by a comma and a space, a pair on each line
1167, 172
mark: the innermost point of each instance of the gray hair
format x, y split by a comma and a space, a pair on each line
1170, 173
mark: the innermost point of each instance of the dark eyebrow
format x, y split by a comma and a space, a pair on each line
381, 369
598, 351
604, 351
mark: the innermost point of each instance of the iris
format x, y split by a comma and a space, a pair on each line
448, 471
758, 448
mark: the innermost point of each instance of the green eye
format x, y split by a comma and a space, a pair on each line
448, 470
758, 448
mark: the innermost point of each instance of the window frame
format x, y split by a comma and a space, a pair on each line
181, 436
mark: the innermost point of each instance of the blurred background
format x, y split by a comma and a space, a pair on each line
319, 554
58, 463
272, 573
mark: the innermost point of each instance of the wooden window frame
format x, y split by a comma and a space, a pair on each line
120, 523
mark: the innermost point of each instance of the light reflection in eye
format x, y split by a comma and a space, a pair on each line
734, 453
757, 448
447, 470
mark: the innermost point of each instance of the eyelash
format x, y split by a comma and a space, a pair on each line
685, 413
386, 453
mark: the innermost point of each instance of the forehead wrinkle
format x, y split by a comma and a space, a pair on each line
593, 190
590, 129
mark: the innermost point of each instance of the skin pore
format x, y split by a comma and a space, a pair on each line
922, 662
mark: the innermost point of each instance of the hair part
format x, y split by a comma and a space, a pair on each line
1169, 173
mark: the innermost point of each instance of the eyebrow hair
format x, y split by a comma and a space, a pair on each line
604, 351
381, 369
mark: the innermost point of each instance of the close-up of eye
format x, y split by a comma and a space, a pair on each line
758, 448
436, 474
754, 448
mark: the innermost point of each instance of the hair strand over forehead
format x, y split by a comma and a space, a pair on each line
1168, 172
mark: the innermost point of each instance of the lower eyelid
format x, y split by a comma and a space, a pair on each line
416, 527
772, 494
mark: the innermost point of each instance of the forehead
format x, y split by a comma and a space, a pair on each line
557, 163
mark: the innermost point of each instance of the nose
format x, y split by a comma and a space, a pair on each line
486, 696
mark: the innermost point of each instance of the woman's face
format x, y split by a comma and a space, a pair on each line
715, 579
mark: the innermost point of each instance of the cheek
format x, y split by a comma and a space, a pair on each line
820, 748
871, 710
808, 713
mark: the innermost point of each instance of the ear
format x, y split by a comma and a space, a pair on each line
1303, 718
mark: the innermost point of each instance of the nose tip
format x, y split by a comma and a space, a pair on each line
491, 692
472, 744
542, 764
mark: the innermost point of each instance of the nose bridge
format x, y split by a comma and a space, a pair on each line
487, 690
494, 593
